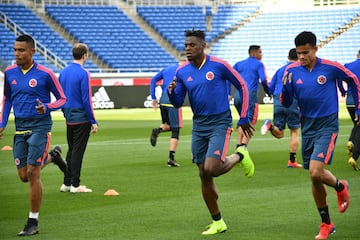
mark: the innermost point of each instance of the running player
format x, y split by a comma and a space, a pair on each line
171, 116
203, 78
252, 70
27, 88
313, 81
283, 115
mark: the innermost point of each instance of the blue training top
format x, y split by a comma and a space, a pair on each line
252, 71
354, 67
316, 90
21, 91
206, 88
166, 75
75, 80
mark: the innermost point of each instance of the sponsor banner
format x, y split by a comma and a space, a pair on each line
109, 97
115, 97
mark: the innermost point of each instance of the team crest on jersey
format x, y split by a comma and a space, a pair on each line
210, 76
32, 83
321, 79
17, 162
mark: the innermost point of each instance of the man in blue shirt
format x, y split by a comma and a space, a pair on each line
313, 81
171, 116
79, 116
283, 115
252, 70
27, 88
203, 78
353, 144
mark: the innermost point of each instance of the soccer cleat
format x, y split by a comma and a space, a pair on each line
31, 228
343, 197
65, 188
352, 162
154, 135
294, 164
80, 189
55, 154
349, 148
325, 231
265, 127
246, 163
215, 227
172, 163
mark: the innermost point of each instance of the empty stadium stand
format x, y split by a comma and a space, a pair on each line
275, 32
112, 36
122, 45
171, 21
42, 32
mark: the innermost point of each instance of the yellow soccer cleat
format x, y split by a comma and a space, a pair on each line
215, 227
246, 163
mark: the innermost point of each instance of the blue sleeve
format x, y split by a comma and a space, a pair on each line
262, 74
154, 80
272, 84
234, 77
57, 90
6, 105
354, 86
228, 86
341, 87
177, 96
287, 93
86, 97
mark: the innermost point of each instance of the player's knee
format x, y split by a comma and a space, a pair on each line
280, 134
175, 132
316, 175
22, 172
23, 177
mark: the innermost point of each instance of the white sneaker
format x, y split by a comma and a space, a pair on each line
80, 189
65, 188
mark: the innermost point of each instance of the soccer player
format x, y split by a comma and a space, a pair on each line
27, 88
251, 70
171, 116
353, 145
79, 116
203, 78
283, 115
313, 81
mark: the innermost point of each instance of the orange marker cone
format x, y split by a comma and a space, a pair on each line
111, 192
6, 148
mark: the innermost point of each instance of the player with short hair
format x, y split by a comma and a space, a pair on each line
313, 82
203, 78
79, 116
171, 116
283, 115
27, 88
252, 70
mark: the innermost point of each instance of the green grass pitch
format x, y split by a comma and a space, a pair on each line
158, 202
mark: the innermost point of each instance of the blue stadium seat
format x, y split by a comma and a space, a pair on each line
36, 27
